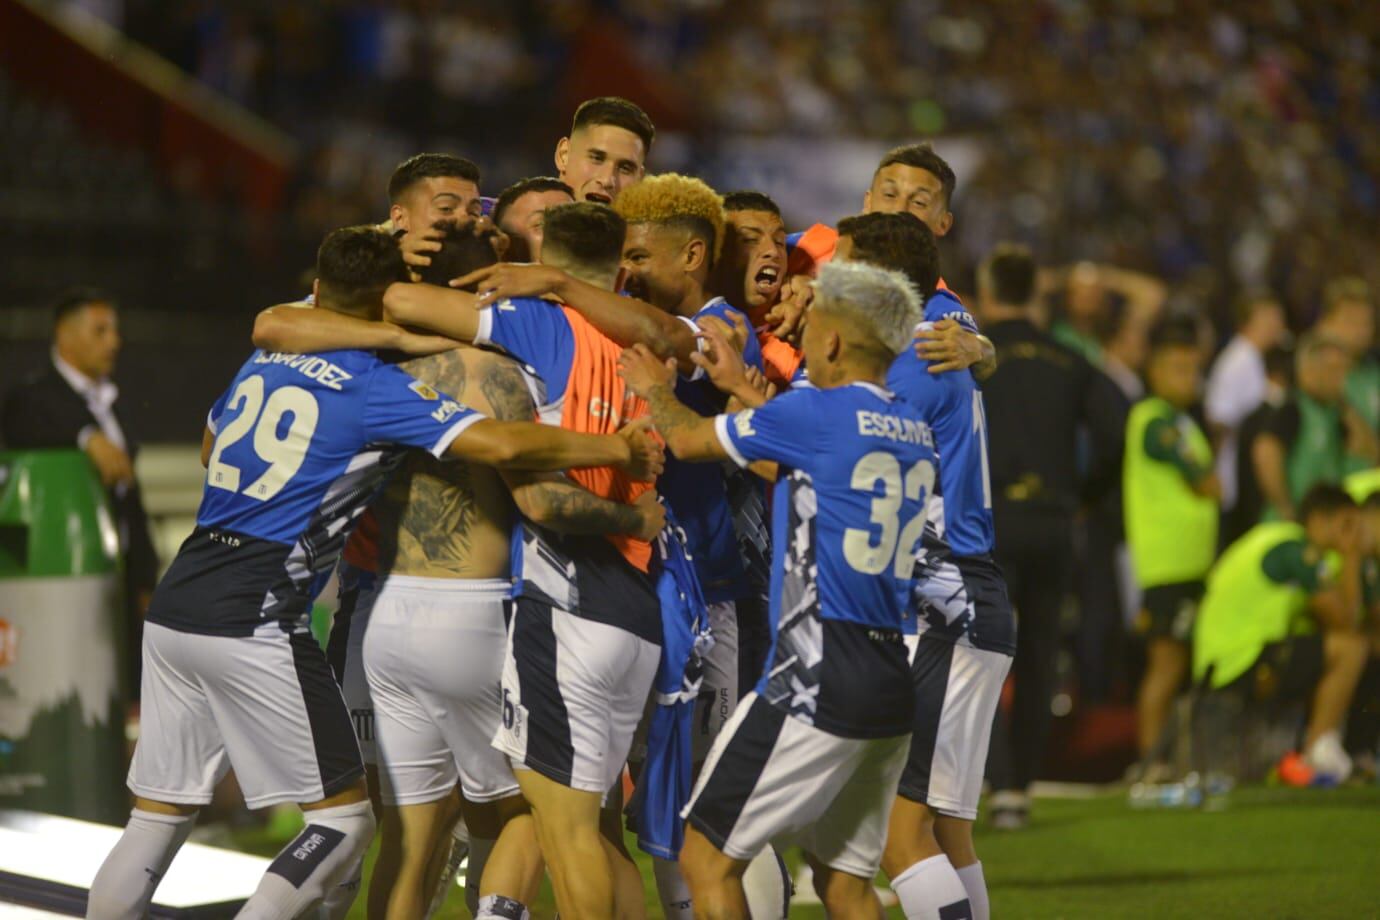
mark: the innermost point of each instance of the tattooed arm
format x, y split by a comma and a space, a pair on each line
689, 435
549, 499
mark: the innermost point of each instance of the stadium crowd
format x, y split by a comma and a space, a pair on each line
1218, 148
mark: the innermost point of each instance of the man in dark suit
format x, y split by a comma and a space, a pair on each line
72, 403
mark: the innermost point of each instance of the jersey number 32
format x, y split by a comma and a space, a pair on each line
896, 546
283, 454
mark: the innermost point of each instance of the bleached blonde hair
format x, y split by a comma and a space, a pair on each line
675, 200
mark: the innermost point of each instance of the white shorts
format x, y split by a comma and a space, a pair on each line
957, 688
346, 650
266, 705
771, 778
719, 687
432, 656
573, 693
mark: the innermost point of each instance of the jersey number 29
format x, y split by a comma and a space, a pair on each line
859, 548
284, 455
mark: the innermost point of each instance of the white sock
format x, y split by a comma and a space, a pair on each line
123, 888
497, 907
930, 890
976, 886
767, 885
480, 848
322, 856
338, 901
672, 889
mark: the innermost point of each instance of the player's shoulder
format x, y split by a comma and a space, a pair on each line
944, 304
719, 307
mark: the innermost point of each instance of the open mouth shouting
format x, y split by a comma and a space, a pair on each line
767, 281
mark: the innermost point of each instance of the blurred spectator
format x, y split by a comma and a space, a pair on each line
1091, 292
1224, 146
1349, 317
1250, 500
1237, 385
1039, 399
1171, 525
73, 403
1315, 437
1279, 624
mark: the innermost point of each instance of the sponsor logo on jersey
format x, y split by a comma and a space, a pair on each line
447, 409
422, 390
742, 423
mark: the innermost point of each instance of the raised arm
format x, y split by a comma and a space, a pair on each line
530, 446
626, 320
302, 329
447, 312
549, 499
689, 435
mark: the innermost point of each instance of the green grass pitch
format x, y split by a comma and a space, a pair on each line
1271, 853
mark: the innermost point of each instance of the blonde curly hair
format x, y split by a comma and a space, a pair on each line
673, 199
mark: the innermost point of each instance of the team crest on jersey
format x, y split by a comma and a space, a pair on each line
743, 423
423, 390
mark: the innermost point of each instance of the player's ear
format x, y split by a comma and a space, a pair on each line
398, 216
867, 202
835, 346
562, 155
694, 254
945, 222
622, 278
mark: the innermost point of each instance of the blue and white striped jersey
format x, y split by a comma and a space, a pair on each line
302, 444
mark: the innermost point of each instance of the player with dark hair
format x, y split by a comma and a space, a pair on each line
232, 676
519, 210
432, 187
752, 265
567, 730
606, 150
913, 179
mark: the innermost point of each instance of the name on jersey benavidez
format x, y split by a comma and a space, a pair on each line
313, 366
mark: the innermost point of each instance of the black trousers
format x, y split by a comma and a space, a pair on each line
1035, 552
1101, 636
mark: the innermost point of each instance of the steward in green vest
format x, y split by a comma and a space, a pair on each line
1171, 508
1280, 619
1315, 436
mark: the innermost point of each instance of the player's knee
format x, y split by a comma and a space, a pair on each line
841, 893
701, 863
955, 836
324, 854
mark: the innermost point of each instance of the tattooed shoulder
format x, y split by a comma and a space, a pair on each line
504, 386
444, 371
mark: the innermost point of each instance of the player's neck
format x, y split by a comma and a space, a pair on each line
692, 300
845, 373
